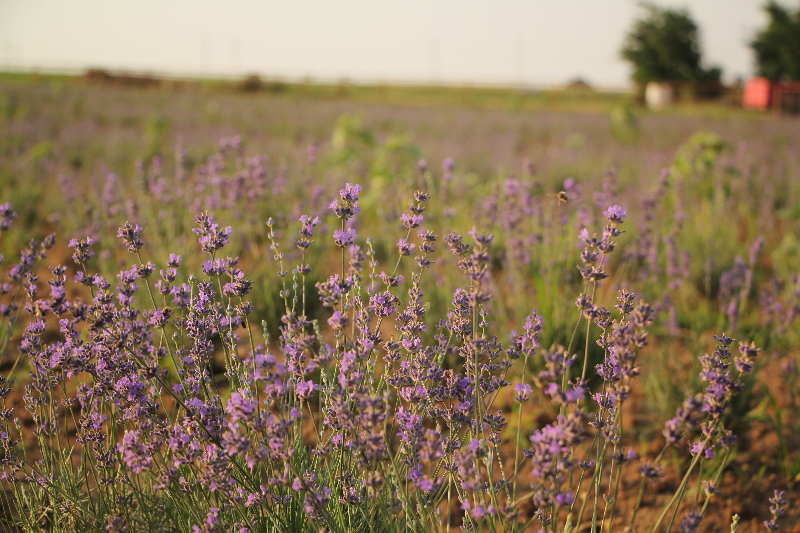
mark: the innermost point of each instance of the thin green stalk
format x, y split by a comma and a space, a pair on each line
699, 482
716, 479
619, 476
586, 347
679, 492
519, 431
593, 487
583, 472
677, 506
641, 491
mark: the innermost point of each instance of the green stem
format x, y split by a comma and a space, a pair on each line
716, 479
679, 492
519, 431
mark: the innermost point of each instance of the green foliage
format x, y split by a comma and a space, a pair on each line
665, 46
349, 137
393, 156
777, 47
624, 125
7, 105
698, 156
41, 152
786, 255
155, 134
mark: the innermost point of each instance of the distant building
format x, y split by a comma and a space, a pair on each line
579, 84
763, 94
757, 94
659, 94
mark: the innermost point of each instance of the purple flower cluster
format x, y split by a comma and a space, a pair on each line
344, 238
776, 509
131, 235
212, 237
592, 266
178, 399
306, 231
83, 250
7, 215
346, 207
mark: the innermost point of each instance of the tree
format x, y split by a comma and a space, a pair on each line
777, 47
664, 46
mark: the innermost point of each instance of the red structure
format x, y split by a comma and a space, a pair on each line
780, 96
786, 98
757, 94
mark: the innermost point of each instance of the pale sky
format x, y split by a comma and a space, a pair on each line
504, 42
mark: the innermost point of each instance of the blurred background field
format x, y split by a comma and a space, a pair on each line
712, 191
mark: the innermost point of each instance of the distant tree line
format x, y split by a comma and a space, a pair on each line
664, 45
777, 47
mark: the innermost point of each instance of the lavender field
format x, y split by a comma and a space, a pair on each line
361, 309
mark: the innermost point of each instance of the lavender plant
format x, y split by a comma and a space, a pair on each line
161, 405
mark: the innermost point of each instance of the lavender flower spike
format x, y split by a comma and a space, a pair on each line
83, 251
7, 214
344, 238
131, 236
347, 207
212, 237
615, 214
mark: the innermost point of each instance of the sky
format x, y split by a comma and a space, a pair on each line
498, 42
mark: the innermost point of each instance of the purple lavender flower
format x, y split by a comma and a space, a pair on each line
181, 295
593, 255
686, 418
7, 214
357, 256
691, 522
550, 452
777, 509
564, 498
83, 251
448, 166
212, 237
615, 214
405, 247
347, 206
131, 235
305, 389
344, 238
241, 408
134, 453
160, 318
116, 524
384, 303
523, 392
411, 221
391, 281
483, 239
306, 231
212, 519
337, 321
755, 250
350, 192
649, 471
